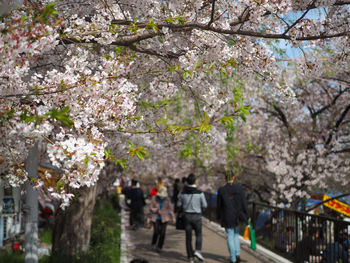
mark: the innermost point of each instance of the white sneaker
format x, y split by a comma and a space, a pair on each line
198, 255
191, 260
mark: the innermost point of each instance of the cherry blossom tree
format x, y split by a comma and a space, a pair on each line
302, 147
83, 76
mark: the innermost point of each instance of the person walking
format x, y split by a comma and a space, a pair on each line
231, 210
162, 212
176, 191
193, 202
137, 202
158, 184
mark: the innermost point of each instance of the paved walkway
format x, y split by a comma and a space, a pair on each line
138, 245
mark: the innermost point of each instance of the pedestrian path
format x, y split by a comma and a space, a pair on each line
138, 246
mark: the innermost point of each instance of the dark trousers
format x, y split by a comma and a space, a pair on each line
193, 221
159, 230
175, 204
136, 217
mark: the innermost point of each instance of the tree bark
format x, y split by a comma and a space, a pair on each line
72, 229
31, 208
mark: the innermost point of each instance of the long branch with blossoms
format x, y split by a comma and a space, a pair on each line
69, 72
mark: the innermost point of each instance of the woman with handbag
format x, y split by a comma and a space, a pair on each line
162, 212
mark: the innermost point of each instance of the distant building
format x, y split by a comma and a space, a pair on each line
11, 219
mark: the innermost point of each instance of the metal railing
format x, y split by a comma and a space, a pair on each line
298, 236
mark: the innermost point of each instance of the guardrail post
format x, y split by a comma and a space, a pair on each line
253, 218
297, 250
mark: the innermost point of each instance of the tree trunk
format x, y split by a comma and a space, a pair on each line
71, 235
31, 208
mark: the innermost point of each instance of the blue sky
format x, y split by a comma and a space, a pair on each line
292, 52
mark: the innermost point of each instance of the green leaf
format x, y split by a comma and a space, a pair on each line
198, 64
249, 146
176, 129
134, 28
187, 152
149, 127
23, 116
204, 125
107, 152
232, 43
62, 116
37, 120
130, 144
139, 155
187, 73
48, 11
180, 19
30, 119
122, 163
23, 18
169, 20
243, 116
152, 25
60, 185
227, 120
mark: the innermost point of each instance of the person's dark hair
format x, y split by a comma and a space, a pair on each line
139, 261
191, 179
290, 228
184, 179
159, 180
133, 182
229, 175
177, 180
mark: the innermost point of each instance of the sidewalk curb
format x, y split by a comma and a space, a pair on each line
264, 254
123, 249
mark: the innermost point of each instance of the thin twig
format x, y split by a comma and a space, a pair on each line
34, 93
47, 139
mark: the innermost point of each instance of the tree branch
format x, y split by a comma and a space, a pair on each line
346, 150
338, 123
130, 39
332, 103
19, 95
283, 118
300, 18
212, 13
267, 13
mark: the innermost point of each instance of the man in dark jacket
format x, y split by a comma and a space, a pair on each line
137, 202
232, 209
